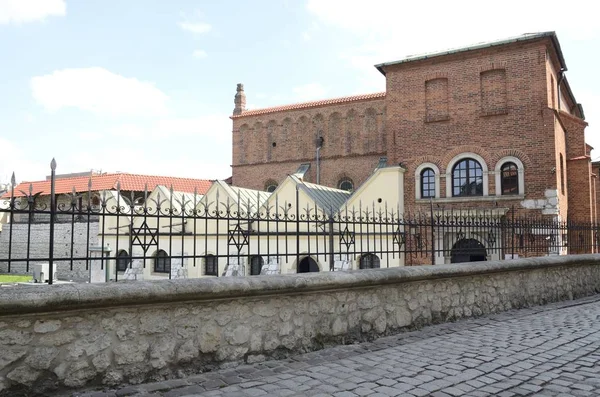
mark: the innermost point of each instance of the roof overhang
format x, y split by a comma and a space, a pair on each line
479, 46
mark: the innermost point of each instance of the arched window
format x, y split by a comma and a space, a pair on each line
162, 262
427, 183
467, 178
509, 178
123, 260
256, 264
211, 267
346, 184
369, 261
270, 186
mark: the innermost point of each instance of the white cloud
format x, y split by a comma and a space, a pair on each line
90, 136
98, 90
209, 128
591, 106
23, 11
198, 27
199, 54
17, 160
441, 20
388, 30
309, 92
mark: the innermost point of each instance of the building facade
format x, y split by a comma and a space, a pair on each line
489, 126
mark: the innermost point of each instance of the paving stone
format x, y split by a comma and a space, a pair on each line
549, 350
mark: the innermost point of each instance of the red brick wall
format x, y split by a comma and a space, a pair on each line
271, 146
494, 102
496, 108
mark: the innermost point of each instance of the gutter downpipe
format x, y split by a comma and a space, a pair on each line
560, 80
320, 141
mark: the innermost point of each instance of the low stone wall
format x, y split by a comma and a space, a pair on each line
77, 335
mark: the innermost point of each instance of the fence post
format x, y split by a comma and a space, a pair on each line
331, 259
13, 183
298, 228
432, 233
52, 215
512, 210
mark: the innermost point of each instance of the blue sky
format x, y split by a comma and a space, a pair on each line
147, 86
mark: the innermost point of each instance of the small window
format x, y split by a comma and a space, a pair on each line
510, 178
162, 262
95, 200
346, 184
467, 178
271, 187
123, 260
427, 183
369, 261
256, 265
210, 265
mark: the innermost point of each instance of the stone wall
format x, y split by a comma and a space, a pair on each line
39, 247
75, 335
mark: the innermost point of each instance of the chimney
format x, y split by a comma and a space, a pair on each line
240, 100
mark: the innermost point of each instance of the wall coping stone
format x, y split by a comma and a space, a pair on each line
24, 299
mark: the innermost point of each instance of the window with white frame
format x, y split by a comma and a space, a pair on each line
467, 176
427, 181
509, 172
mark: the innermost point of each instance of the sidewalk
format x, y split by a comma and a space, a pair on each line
543, 351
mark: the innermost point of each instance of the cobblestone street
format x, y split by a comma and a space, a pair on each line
552, 350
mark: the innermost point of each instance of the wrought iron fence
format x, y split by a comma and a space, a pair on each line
110, 235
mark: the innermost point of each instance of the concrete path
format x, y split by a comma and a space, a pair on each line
552, 350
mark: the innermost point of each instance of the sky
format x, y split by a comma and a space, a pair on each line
147, 86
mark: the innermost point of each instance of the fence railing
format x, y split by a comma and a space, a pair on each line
107, 235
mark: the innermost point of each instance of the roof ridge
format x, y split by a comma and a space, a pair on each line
117, 174
302, 105
477, 46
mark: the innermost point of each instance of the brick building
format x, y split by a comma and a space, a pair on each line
493, 125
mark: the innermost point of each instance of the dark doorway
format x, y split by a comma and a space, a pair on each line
308, 265
468, 250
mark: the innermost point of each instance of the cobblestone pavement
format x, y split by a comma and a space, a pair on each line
552, 350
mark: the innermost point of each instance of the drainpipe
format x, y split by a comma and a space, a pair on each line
320, 141
561, 78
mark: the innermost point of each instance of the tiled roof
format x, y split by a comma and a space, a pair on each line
129, 182
304, 105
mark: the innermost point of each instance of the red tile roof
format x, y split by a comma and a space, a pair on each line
129, 182
304, 105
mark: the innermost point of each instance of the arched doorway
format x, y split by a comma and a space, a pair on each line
308, 265
468, 250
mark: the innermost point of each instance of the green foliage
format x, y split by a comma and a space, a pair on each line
13, 278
